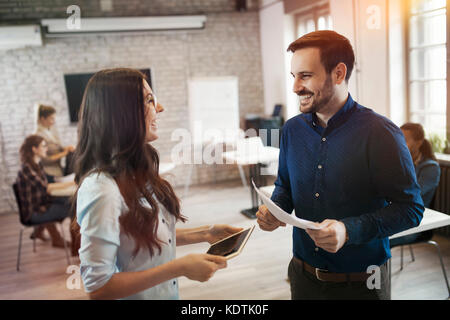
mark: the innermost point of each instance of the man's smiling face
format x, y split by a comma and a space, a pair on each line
311, 82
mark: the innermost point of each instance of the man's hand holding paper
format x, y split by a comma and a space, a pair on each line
266, 219
331, 237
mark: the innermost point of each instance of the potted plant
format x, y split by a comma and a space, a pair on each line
437, 143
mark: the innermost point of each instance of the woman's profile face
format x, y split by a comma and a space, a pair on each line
152, 107
40, 150
48, 121
413, 145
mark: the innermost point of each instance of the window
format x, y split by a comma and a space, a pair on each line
318, 18
427, 55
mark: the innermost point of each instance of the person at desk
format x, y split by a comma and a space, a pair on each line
428, 172
56, 151
345, 166
34, 191
126, 212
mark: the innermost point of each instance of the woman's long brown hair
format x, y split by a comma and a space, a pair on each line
27, 154
418, 134
112, 140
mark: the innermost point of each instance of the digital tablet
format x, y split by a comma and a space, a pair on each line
231, 246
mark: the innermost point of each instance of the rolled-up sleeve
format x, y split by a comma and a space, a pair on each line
98, 211
98, 264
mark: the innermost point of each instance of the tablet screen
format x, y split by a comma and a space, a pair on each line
229, 245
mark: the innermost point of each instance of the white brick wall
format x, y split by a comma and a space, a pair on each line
228, 46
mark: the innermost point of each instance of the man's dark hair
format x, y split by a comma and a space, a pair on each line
334, 49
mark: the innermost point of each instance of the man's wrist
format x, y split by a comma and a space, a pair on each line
345, 231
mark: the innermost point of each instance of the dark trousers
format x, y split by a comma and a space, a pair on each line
305, 286
58, 210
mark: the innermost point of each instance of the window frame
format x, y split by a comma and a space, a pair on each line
315, 13
409, 48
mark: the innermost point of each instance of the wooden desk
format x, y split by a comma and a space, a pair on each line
264, 155
66, 192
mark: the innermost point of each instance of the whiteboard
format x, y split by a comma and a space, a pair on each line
213, 107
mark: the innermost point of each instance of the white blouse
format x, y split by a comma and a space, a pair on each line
51, 167
106, 249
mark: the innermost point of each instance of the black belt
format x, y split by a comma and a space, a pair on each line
325, 275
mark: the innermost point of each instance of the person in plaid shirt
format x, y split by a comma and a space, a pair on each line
38, 207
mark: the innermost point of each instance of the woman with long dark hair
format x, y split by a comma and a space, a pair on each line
428, 172
34, 190
125, 210
427, 169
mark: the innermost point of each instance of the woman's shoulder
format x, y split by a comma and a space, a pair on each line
99, 183
27, 170
428, 162
99, 187
41, 131
99, 206
428, 167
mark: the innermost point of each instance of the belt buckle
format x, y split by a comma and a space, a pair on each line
317, 273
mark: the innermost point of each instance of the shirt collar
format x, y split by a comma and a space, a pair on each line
337, 118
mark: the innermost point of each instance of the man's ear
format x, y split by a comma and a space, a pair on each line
340, 72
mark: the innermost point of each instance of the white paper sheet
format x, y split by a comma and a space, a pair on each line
282, 215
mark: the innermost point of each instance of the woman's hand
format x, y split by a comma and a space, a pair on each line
201, 267
220, 231
70, 148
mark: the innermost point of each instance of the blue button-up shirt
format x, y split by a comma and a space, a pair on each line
357, 170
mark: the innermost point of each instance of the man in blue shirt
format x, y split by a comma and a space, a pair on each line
347, 168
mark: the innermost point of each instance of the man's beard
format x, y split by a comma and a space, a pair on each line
323, 95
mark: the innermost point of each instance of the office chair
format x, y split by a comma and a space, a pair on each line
26, 224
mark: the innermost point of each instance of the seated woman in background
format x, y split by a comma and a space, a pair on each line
126, 212
56, 151
428, 171
34, 191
